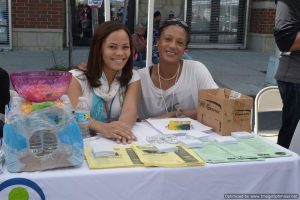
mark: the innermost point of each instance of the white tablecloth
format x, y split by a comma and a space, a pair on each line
212, 181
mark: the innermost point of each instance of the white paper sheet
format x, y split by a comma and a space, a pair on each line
162, 126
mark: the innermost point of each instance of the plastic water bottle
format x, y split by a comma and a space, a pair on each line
15, 110
68, 106
83, 115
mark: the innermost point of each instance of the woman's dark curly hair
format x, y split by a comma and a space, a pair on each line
95, 61
176, 22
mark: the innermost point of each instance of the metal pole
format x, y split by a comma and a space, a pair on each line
150, 33
246, 24
69, 24
94, 18
107, 10
136, 11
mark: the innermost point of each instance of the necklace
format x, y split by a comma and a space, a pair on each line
168, 79
173, 93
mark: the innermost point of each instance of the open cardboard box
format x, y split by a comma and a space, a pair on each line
224, 110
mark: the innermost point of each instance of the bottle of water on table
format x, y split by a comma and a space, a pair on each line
68, 107
82, 114
14, 114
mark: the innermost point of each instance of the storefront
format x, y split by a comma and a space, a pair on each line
218, 23
85, 17
5, 25
214, 23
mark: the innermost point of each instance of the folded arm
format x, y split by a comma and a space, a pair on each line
287, 25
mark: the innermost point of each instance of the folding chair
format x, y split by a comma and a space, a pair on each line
267, 99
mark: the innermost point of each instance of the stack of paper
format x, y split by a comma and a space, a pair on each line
162, 148
99, 150
198, 135
162, 125
212, 153
242, 135
123, 157
225, 140
182, 158
191, 143
241, 151
263, 149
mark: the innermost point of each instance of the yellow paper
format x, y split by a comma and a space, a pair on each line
124, 157
182, 158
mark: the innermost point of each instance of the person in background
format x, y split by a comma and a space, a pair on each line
170, 87
171, 15
109, 83
4, 96
156, 21
140, 45
287, 37
156, 25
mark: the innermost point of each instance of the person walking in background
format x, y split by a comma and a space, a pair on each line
156, 21
172, 84
4, 96
139, 44
156, 25
171, 15
287, 37
109, 83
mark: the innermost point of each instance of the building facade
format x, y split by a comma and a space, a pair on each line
38, 24
42, 24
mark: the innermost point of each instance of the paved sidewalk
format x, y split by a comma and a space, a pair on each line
241, 70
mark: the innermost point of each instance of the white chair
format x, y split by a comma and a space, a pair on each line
267, 99
295, 143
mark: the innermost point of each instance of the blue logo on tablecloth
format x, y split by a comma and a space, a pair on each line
20, 193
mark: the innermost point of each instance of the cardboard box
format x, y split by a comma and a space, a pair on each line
225, 110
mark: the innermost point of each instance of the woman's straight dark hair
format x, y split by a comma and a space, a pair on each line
95, 60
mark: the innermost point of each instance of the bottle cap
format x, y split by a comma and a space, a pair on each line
65, 98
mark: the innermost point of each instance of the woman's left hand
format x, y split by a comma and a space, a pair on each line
124, 131
116, 130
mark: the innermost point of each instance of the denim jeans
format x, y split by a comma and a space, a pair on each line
290, 95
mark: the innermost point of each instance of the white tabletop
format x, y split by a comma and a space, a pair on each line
212, 181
